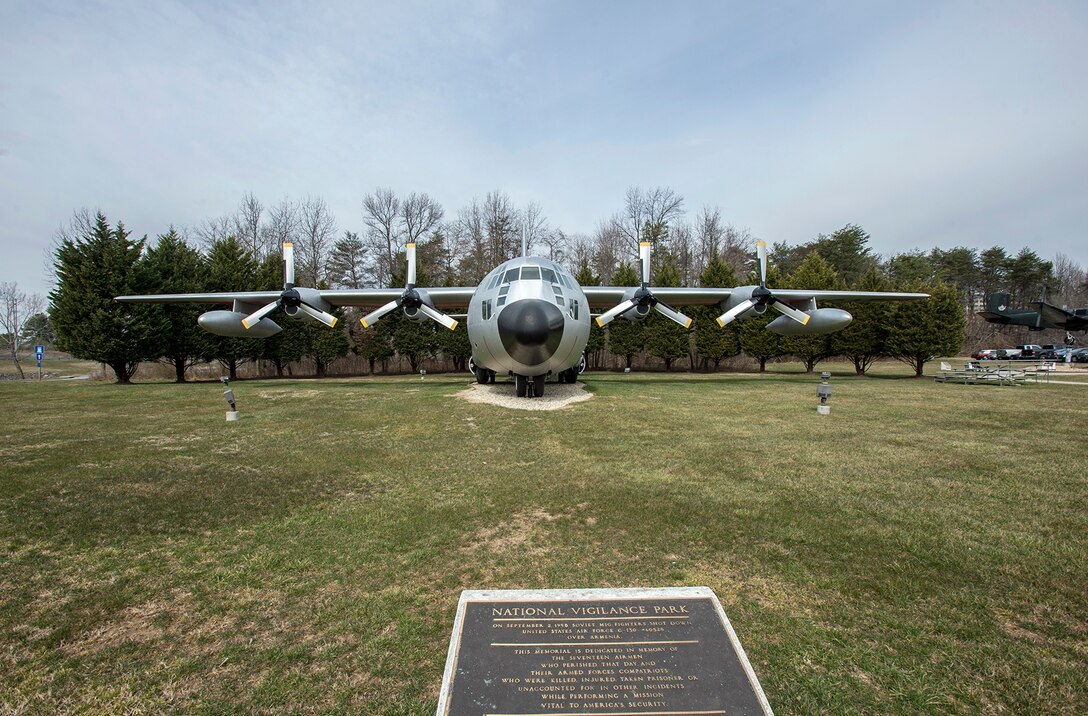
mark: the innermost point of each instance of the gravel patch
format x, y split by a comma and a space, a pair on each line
556, 396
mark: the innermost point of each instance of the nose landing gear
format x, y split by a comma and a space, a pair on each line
529, 387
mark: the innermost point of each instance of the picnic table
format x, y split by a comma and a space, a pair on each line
996, 372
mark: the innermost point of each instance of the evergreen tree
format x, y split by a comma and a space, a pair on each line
38, 330
626, 338
291, 344
597, 338
347, 262
847, 250
755, 340
665, 339
374, 343
324, 344
172, 266
454, 345
865, 340
920, 331
231, 267
712, 342
910, 267
91, 269
813, 273
415, 340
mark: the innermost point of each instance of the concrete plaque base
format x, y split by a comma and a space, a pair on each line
608, 652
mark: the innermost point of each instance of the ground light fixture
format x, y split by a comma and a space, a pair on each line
823, 392
228, 395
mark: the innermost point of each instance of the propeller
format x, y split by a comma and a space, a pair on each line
761, 296
411, 300
643, 296
292, 299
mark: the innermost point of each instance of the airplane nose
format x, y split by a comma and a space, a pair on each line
531, 330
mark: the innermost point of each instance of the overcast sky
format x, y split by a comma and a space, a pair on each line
941, 124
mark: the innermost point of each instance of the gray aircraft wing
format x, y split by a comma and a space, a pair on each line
446, 297
611, 295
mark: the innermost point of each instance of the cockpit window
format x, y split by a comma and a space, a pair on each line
494, 280
511, 275
548, 275
530, 273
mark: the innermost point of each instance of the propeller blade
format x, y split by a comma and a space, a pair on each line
410, 254
327, 318
255, 317
644, 259
606, 317
437, 317
731, 315
374, 316
761, 252
288, 263
787, 310
669, 312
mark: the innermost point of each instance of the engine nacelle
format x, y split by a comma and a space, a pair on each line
821, 320
229, 324
640, 311
739, 296
414, 313
311, 296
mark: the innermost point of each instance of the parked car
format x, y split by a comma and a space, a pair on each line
1057, 354
1080, 355
1029, 351
1007, 354
985, 354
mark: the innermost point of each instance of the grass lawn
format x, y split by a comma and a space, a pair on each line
922, 549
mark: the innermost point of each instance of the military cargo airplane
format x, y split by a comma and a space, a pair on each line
528, 318
1046, 315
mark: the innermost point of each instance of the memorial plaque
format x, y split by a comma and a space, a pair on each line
608, 652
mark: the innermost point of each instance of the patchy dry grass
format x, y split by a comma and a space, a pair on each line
922, 549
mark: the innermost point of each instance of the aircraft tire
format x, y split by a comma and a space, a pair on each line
538, 386
491, 376
482, 375
521, 385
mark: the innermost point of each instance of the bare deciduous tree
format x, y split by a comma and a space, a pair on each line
284, 224
658, 206
532, 226
503, 227
381, 212
608, 249
1070, 279
316, 230
247, 224
16, 308
212, 230
419, 214
81, 224
468, 234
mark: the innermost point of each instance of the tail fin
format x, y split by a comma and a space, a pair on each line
998, 303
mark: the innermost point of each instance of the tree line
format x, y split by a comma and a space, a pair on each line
95, 261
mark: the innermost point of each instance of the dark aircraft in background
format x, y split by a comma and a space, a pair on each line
1046, 315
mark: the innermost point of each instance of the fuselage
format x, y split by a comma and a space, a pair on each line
529, 317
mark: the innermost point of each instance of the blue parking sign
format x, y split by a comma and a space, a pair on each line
39, 351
